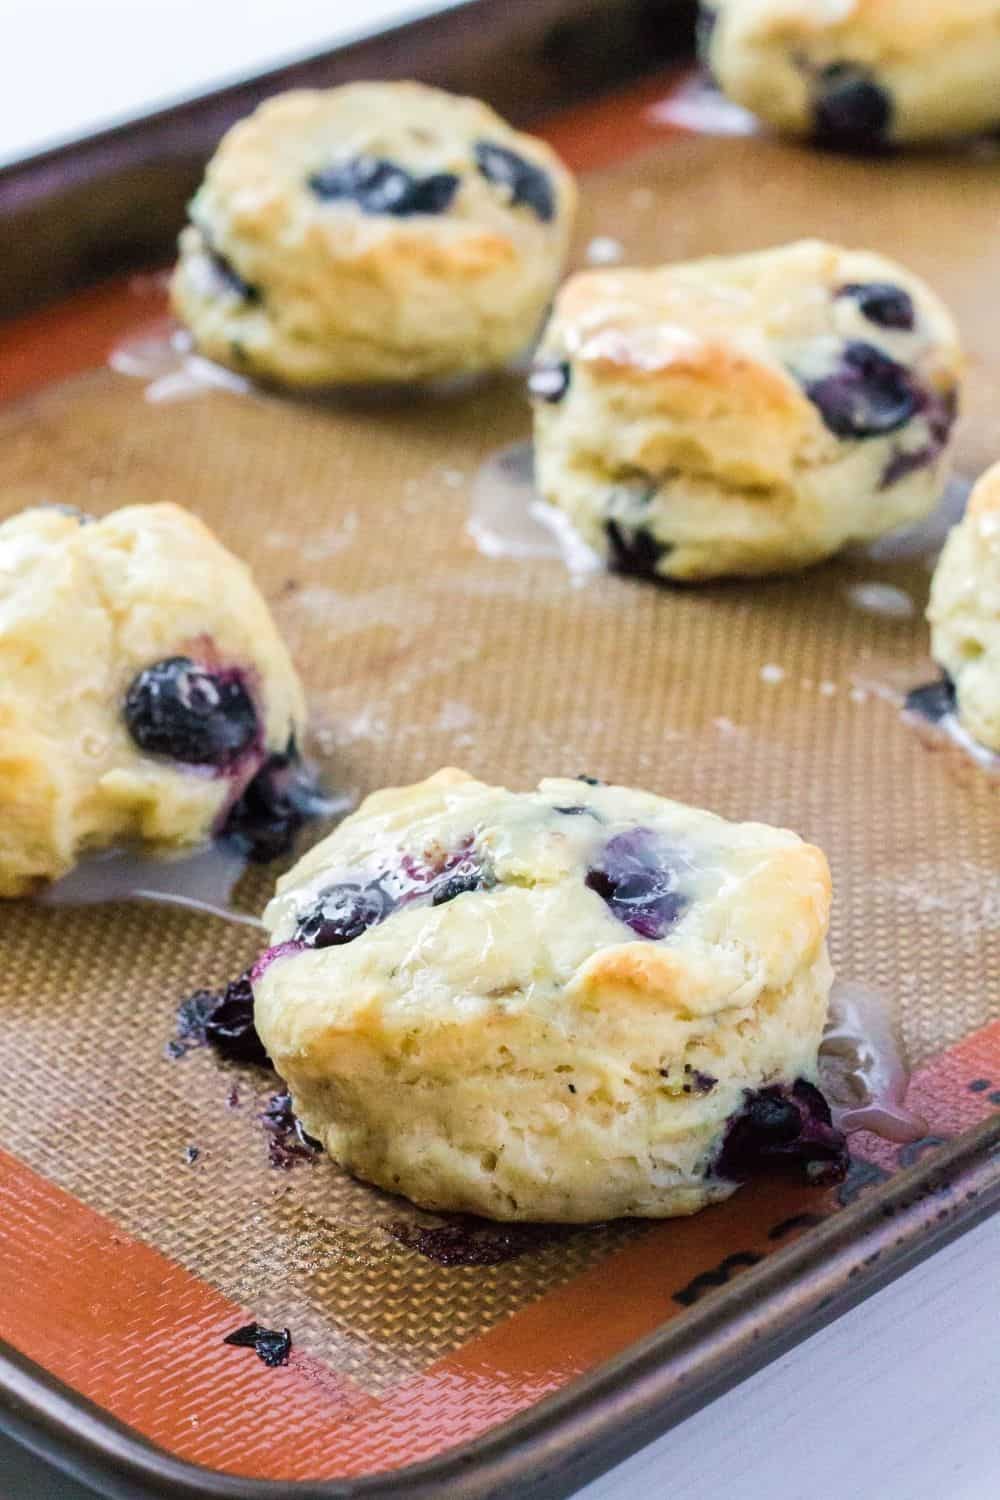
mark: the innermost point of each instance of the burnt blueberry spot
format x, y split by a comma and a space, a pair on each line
378, 186
549, 381
934, 700
342, 914
525, 182
272, 1345
282, 797
466, 1241
578, 810
191, 1154
590, 780
222, 1019
200, 718
867, 395
287, 1142
637, 879
784, 1127
979, 1085
633, 550
851, 112
882, 303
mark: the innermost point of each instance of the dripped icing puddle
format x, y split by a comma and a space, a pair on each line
163, 355
881, 599
202, 882
862, 1071
509, 519
697, 105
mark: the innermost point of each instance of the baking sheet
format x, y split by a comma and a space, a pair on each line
777, 701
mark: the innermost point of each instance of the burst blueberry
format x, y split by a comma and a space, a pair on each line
882, 303
638, 878
782, 1127
633, 550
343, 913
524, 182
851, 112
181, 710
378, 186
281, 798
867, 395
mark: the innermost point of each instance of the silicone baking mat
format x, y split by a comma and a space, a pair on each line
126, 1256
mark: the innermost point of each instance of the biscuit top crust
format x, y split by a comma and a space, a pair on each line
748, 318
626, 892
275, 176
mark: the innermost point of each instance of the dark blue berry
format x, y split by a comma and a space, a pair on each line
785, 1127
469, 876
378, 186
934, 701
231, 278
851, 112
578, 810
633, 550
343, 913
272, 1345
882, 303
222, 1019
637, 878
525, 182
867, 395
275, 805
201, 718
549, 381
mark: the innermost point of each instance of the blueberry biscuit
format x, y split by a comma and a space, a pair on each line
569, 1004
859, 74
145, 693
744, 415
964, 612
375, 232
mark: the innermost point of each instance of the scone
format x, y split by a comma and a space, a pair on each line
145, 694
568, 1004
964, 612
744, 415
859, 74
374, 232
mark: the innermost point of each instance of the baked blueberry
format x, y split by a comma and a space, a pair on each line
933, 700
633, 550
851, 112
378, 186
222, 1019
282, 797
343, 913
867, 395
784, 1127
181, 710
468, 876
549, 381
882, 303
637, 878
525, 182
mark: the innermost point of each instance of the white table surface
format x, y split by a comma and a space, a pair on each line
900, 1399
